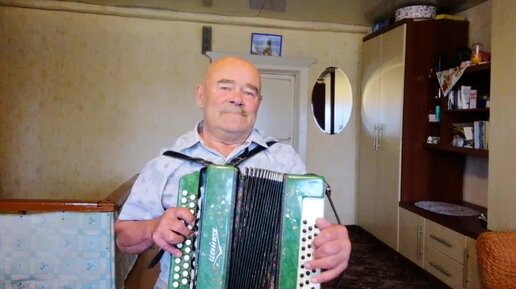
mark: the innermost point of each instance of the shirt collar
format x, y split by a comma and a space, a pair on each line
193, 138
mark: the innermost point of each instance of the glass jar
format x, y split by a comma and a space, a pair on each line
476, 53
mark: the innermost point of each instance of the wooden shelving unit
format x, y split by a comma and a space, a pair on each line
460, 150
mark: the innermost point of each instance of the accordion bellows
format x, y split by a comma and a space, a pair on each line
254, 229
497, 259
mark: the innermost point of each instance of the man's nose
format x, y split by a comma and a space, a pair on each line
237, 97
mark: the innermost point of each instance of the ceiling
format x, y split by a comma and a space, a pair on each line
351, 12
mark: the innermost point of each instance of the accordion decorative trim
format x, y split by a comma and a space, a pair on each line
415, 11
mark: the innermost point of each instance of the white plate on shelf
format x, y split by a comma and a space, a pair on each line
447, 208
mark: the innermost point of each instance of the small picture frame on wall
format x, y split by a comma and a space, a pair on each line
266, 44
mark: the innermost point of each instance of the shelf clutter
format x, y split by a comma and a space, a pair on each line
463, 124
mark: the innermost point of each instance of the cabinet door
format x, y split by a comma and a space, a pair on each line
389, 132
411, 236
368, 186
445, 268
471, 273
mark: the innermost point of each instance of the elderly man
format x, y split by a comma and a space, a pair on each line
229, 97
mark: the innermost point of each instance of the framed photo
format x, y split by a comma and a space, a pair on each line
266, 44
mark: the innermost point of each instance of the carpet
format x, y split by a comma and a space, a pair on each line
374, 265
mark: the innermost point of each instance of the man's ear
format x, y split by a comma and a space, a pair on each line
199, 95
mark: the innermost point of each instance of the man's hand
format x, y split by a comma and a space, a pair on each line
332, 248
172, 228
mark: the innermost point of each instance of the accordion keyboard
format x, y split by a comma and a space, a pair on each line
312, 209
182, 270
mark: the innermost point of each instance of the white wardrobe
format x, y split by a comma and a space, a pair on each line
380, 134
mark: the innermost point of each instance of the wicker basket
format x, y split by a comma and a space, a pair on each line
497, 259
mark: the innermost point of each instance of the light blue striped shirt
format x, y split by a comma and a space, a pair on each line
156, 187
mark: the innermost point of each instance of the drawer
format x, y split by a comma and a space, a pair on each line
442, 239
443, 267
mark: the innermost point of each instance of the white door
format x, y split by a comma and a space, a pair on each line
277, 111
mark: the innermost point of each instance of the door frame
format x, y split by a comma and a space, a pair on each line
297, 66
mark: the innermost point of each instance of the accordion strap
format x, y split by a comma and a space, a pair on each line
234, 162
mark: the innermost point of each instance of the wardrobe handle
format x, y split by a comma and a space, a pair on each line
444, 242
419, 232
465, 269
377, 135
440, 269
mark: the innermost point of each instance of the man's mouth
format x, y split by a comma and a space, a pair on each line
235, 110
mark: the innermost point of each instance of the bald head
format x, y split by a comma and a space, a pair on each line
229, 97
232, 63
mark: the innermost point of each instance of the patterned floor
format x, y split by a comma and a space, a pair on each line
373, 265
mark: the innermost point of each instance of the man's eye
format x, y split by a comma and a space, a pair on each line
250, 93
225, 87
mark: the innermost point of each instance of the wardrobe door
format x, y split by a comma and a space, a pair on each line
368, 164
389, 133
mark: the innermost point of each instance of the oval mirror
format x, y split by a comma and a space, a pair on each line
332, 100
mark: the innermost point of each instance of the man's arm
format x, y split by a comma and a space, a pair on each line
135, 236
165, 231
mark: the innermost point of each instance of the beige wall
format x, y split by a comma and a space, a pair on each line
87, 99
477, 168
502, 155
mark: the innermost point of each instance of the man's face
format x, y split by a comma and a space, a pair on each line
230, 98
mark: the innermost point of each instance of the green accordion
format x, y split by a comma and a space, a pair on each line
254, 229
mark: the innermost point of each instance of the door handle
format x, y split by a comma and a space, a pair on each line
377, 135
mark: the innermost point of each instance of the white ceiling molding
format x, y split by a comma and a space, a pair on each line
186, 17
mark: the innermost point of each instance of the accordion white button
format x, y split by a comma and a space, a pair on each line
188, 242
175, 284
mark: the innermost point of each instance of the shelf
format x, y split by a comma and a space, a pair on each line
466, 110
462, 150
470, 226
469, 69
478, 67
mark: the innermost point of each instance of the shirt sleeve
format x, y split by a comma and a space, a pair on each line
144, 201
295, 164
